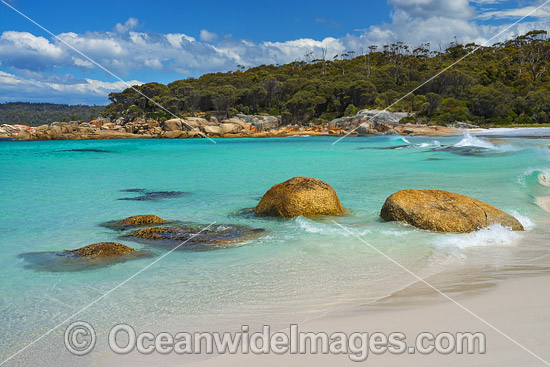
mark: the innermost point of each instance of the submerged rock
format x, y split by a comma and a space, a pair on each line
156, 195
467, 150
195, 236
136, 221
443, 211
93, 256
303, 196
85, 150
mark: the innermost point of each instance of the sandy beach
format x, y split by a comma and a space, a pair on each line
517, 307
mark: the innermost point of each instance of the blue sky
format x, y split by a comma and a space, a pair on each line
143, 41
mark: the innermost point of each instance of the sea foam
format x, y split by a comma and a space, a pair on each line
494, 235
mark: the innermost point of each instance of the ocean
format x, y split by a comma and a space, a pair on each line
56, 195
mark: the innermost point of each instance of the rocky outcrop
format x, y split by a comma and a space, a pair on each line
366, 122
102, 250
303, 196
376, 122
443, 211
261, 123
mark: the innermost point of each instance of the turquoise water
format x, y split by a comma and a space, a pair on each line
55, 198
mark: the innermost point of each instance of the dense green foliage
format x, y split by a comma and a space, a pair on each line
503, 83
34, 114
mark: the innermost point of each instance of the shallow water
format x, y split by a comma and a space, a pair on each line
56, 194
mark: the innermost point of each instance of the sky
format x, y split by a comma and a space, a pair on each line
162, 41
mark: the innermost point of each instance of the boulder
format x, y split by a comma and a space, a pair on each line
199, 121
171, 125
261, 122
138, 220
195, 134
212, 130
303, 196
375, 120
443, 211
174, 134
23, 135
364, 130
230, 128
42, 127
102, 249
97, 123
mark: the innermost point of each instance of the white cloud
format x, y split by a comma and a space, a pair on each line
129, 25
532, 11
125, 50
81, 62
16, 88
424, 9
439, 22
207, 36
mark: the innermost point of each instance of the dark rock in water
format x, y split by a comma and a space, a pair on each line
246, 212
93, 256
133, 190
468, 151
102, 249
157, 195
195, 236
135, 221
404, 146
86, 150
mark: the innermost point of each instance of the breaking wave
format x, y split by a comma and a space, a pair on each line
494, 235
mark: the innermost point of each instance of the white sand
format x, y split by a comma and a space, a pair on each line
519, 307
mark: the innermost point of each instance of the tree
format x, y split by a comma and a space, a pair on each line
224, 98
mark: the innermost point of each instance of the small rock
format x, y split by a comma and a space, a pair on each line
102, 249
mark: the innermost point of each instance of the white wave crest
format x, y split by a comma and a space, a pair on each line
494, 235
434, 144
472, 141
525, 221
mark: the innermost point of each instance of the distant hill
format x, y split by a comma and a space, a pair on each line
506, 83
34, 114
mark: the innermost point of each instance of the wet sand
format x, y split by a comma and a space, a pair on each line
520, 308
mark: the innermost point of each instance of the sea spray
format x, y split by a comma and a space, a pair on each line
472, 141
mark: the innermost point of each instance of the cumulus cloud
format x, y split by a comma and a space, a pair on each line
129, 25
439, 22
67, 90
125, 50
208, 36
542, 12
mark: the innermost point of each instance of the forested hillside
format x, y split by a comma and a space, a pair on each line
33, 114
504, 83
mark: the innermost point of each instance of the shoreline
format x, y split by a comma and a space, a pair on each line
500, 304
419, 131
